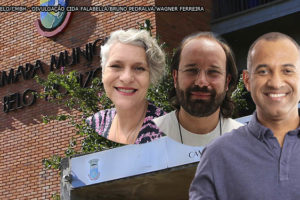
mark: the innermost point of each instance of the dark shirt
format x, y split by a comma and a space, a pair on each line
248, 163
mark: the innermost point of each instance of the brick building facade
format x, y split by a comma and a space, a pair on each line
24, 139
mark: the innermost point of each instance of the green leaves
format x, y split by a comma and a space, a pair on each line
159, 94
244, 104
146, 26
65, 89
53, 162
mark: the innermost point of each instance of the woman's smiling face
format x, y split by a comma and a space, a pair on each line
126, 76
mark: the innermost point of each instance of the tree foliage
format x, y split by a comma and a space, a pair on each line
64, 89
244, 104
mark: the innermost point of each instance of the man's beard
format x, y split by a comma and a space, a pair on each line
199, 107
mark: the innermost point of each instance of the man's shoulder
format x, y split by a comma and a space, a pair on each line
235, 138
231, 124
168, 124
165, 120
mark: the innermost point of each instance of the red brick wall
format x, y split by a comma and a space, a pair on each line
172, 27
24, 139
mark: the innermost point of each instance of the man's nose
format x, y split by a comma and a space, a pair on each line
275, 80
201, 79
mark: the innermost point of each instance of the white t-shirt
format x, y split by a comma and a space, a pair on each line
168, 124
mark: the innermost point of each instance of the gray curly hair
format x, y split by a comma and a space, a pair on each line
155, 55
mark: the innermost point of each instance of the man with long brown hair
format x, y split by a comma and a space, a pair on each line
205, 76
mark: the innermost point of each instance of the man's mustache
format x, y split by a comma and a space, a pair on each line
202, 89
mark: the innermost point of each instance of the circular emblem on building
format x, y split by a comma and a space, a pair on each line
53, 17
51, 20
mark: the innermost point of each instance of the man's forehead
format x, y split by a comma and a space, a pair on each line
201, 45
261, 45
200, 42
277, 49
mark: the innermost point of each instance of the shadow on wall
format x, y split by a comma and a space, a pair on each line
21, 110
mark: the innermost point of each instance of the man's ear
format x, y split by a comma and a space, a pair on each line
175, 74
246, 79
228, 79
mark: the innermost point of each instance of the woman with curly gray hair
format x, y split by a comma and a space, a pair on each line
131, 61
